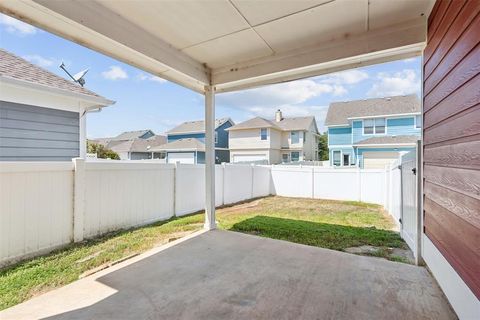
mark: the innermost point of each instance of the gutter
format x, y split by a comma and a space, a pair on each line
99, 102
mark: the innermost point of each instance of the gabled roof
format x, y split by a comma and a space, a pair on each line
131, 145
286, 124
389, 140
16, 68
339, 113
182, 144
196, 126
129, 135
298, 123
253, 123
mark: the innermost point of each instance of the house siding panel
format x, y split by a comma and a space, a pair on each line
357, 131
402, 126
340, 136
451, 137
31, 133
175, 137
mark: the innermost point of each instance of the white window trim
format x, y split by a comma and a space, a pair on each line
299, 140
341, 157
216, 136
299, 155
374, 130
266, 130
415, 122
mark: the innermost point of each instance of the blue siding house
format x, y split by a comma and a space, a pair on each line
186, 142
372, 133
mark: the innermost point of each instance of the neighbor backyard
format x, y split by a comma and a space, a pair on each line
337, 225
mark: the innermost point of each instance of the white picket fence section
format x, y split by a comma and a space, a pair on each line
50, 204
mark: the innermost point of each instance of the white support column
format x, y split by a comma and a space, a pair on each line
210, 158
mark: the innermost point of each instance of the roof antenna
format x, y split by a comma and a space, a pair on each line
78, 78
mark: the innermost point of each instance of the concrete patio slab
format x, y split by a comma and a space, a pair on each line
229, 275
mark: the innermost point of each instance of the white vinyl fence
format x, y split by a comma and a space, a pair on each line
50, 204
367, 185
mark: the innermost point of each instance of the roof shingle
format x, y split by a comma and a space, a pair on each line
340, 112
389, 140
286, 124
195, 126
14, 67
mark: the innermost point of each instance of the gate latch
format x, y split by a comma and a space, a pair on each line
414, 170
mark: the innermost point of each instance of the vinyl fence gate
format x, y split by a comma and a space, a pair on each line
411, 218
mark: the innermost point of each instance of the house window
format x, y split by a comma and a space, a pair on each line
159, 155
418, 122
368, 125
216, 137
346, 159
336, 158
294, 137
295, 155
379, 125
263, 134
285, 157
374, 126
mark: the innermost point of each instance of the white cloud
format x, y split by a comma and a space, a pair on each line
289, 93
115, 73
143, 77
157, 79
39, 60
16, 26
409, 60
399, 83
344, 77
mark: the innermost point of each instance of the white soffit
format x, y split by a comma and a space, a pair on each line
236, 44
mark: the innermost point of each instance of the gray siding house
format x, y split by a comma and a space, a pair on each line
42, 115
135, 145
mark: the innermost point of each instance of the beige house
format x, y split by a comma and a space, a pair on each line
275, 141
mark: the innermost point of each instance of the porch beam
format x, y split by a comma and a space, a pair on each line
399, 41
210, 158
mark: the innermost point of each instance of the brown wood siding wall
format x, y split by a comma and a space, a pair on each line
451, 134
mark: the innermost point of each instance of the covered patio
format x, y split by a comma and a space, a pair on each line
221, 46
244, 277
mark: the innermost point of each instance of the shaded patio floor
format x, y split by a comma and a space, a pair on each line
229, 275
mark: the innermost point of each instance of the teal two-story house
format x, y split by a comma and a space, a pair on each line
372, 133
186, 142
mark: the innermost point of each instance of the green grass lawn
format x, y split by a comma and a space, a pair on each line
329, 224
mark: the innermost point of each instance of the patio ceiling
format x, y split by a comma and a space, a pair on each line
236, 44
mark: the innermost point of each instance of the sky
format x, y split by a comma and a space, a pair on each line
144, 101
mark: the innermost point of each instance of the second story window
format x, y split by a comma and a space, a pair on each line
216, 137
263, 134
294, 137
418, 122
374, 126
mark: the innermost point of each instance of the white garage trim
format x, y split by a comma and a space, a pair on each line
378, 159
182, 157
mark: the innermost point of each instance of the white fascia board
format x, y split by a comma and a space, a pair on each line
389, 145
411, 114
340, 145
399, 41
339, 126
92, 25
91, 102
